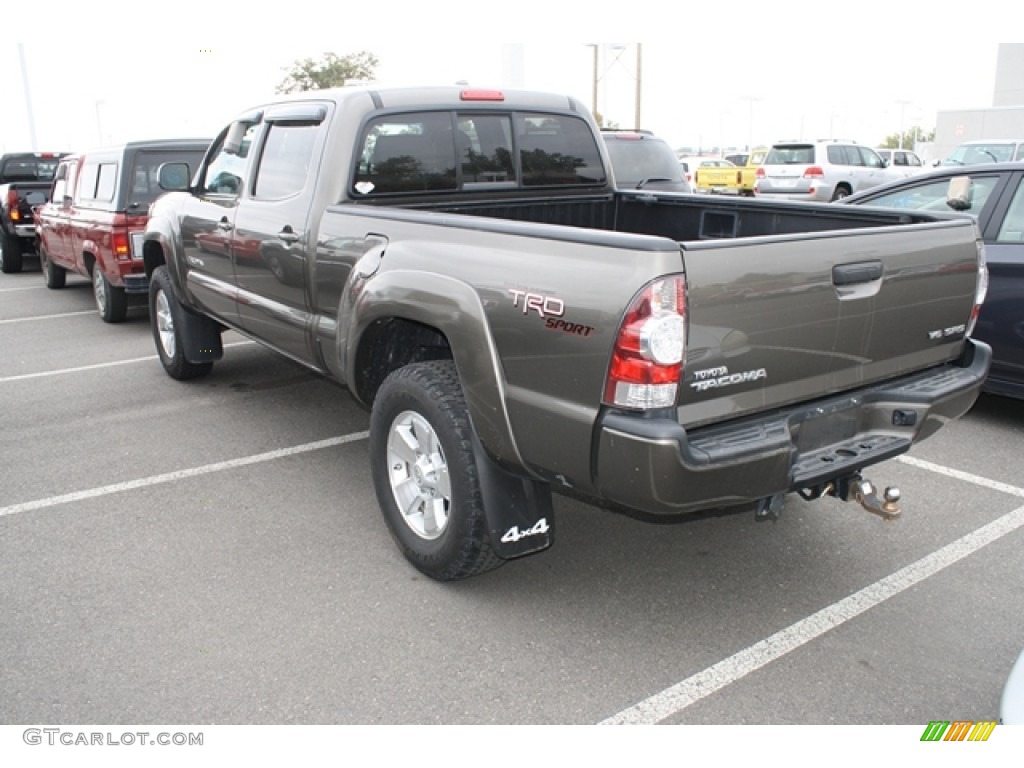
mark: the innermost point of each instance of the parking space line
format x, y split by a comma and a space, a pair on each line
47, 317
23, 288
673, 700
956, 474
181, 474
95, 366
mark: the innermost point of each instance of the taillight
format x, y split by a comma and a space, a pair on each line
121, 246
479, 94
981, 289
12, 204
814, 172
760, 173
647, 361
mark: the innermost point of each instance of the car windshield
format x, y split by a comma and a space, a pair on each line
932, 196
971, 154
790, 154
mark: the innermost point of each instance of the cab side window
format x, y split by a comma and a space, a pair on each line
60, 185
225, 173
285, 160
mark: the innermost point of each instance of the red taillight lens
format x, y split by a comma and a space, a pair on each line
647, 361
477, 94
121, 246
760, 173
814, 172
12, 204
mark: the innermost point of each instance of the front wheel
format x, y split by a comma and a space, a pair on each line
110, 299
166, 319
424, 473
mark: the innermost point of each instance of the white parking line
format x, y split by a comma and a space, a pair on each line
673, 700
95, 366
47, 317
170, 477
23, 288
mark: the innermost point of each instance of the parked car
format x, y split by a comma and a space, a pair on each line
1011, 705
641, 160
98, 208
25, 179
986, 151
994, 194
819, 170
690, 164
902, 162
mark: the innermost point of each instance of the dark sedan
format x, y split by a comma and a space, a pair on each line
994, 194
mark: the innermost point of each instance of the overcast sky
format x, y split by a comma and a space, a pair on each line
718, 76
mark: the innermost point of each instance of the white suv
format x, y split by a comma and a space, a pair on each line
820, 170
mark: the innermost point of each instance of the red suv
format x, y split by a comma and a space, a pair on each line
97, 213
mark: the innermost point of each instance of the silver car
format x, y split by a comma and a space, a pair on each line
820, 171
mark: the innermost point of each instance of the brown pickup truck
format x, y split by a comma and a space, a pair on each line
461, 261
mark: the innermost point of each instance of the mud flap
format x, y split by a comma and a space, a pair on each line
520, 515
200, 337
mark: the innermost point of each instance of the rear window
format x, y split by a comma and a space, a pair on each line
790, 154
144, 187
448, 151
28, 169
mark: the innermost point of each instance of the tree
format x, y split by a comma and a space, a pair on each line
330, 71
910, 138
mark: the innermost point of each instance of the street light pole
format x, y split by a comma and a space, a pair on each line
593, 102
903, 105
639, 82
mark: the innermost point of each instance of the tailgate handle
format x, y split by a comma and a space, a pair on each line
861, 272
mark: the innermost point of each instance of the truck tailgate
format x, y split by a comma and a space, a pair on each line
775, 321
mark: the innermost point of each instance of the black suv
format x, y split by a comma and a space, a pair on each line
640, 160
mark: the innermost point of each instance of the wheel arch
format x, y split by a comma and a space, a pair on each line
402, 317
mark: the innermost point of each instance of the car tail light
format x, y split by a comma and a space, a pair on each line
477, 94
814, 172
122, 248
12, 204
647, 361
760, 173
981, 290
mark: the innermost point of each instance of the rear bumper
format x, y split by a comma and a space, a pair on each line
25, 230
656, 466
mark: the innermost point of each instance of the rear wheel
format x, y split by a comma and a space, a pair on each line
841, 191
166, 319
110, 299
54, 275
423, 469
10, 254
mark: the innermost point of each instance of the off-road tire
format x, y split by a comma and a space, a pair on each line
165, 318
54, 275
10, 254
421, 411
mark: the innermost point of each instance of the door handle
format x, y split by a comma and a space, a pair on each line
288, 235
861, 272
224, 225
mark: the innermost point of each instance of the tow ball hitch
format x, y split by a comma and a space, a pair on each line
856, 488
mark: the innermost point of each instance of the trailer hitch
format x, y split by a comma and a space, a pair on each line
856, 488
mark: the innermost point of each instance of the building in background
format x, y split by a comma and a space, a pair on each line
1003, 120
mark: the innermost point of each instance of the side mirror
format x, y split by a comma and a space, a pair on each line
958, 194
173, 177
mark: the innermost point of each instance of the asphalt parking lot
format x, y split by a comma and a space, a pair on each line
212, 552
